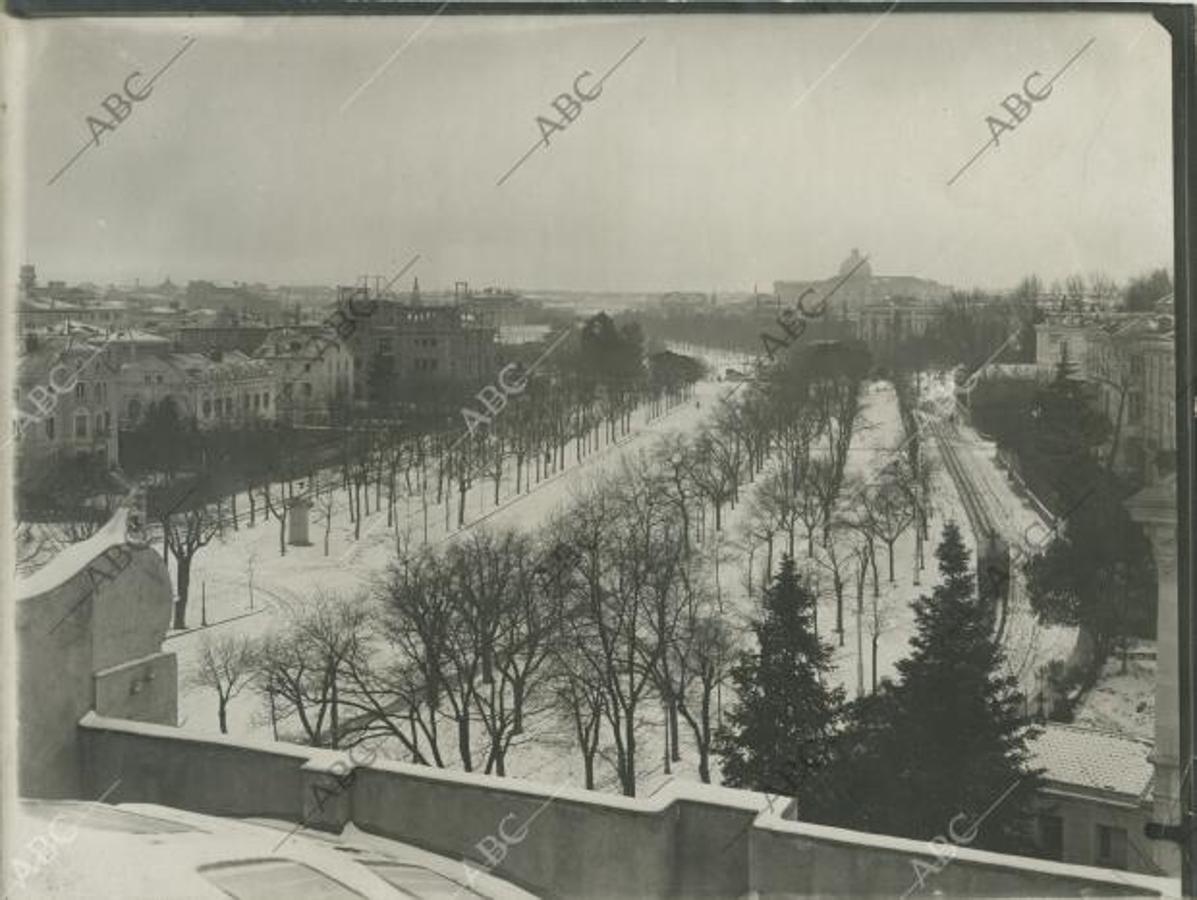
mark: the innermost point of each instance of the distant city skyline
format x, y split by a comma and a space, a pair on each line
727, 151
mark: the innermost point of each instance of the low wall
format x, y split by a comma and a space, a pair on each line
799, 859
687, 840
157, 764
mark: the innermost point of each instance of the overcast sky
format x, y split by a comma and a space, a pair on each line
725, 151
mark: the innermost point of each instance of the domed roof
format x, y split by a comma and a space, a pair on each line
853, 262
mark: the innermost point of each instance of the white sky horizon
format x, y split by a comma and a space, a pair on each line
726, 151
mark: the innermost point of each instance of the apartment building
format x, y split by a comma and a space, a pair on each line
401, 351
215, 391
65, 401
1130, 359
314, 371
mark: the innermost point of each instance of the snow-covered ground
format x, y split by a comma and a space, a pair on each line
222, 572
1123, 701
546, 751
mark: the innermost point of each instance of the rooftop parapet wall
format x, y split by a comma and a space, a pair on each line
90, 625
688, 840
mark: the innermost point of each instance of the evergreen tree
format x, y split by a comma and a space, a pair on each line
1095, 573
1065, 435
781, 732
947, 742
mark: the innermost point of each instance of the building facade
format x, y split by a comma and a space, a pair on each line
1063, 336
402, 351
1139, 404
314, 373
889, 322
855, 286
66, 399
1096, 799
229, 391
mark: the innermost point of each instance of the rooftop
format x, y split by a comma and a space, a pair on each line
1093, 759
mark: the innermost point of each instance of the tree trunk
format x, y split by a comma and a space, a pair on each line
704, 745
183, 570
629, 781
463, 742
222, 714
675, 752
588, 766
874, 638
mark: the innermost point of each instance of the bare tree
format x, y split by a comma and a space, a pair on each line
303, 667
715, 469
891, 513
835, 558
185, 534
418, 604
227, 666
326, 503
705, 649
606, 623
276, 507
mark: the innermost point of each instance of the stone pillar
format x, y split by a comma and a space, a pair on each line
327, 783
1154, 508
297, 525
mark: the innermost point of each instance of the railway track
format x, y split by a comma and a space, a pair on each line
979, 517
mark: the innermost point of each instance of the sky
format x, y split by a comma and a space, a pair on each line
725, 151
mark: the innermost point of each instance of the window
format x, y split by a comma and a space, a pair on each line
160, 379
99, 424
1135, 407
147, 379
207, 409
307, 389
99, 392
81, 425
266, 400
1111, 846
50, 428
257, 401
80, 391
259, 879
107, 420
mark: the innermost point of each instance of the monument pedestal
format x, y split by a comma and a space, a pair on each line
298, 513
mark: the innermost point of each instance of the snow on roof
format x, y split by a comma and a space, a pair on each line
1088, 757
134, 335
75, 558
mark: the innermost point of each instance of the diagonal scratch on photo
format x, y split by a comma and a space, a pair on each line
507, 454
